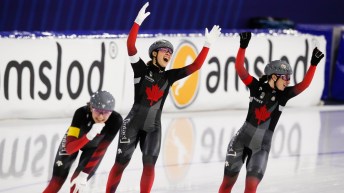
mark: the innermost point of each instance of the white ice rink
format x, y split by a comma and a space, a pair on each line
307, 154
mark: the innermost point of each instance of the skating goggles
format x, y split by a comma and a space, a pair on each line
285, 77
166, 50
101, 111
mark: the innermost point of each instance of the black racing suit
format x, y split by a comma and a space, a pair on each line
92, 153
253, 140
143, 122
152, 85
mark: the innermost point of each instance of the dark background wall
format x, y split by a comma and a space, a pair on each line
70, 15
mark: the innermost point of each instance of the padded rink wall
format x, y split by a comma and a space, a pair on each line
338, 74
49, 75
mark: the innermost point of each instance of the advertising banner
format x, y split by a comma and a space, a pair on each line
51, 77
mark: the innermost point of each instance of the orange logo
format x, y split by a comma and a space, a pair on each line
184, 91
178, 149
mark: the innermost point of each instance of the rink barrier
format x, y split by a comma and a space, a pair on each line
338, 76
188, 140
46, 75
333, 35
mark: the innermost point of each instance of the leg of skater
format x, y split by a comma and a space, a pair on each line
251, 184
115, 176
256, 166
235, 158
127, 142
55, 184
228, 183
62, 165
150, 143
148, 173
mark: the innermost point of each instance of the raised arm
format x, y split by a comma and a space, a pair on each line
240, 59
317, 55
210, 37
141, 16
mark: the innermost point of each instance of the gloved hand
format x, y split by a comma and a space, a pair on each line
211, 36
96, 129
317, 55
80, 182
244, 39
142, 14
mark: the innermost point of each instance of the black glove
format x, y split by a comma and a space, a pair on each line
244, 39
317, 55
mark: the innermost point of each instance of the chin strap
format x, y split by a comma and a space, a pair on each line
160, 67
275, 84
157, 64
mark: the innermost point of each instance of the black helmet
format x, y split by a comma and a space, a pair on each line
159, 44
278, 67
102, 100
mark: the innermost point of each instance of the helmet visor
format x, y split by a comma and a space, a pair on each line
285, 77
101, 111
166, 50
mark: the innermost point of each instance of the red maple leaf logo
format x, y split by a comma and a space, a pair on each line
262, 114
154, 94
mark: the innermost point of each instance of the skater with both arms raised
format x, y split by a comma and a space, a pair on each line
268, 97
151, 83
